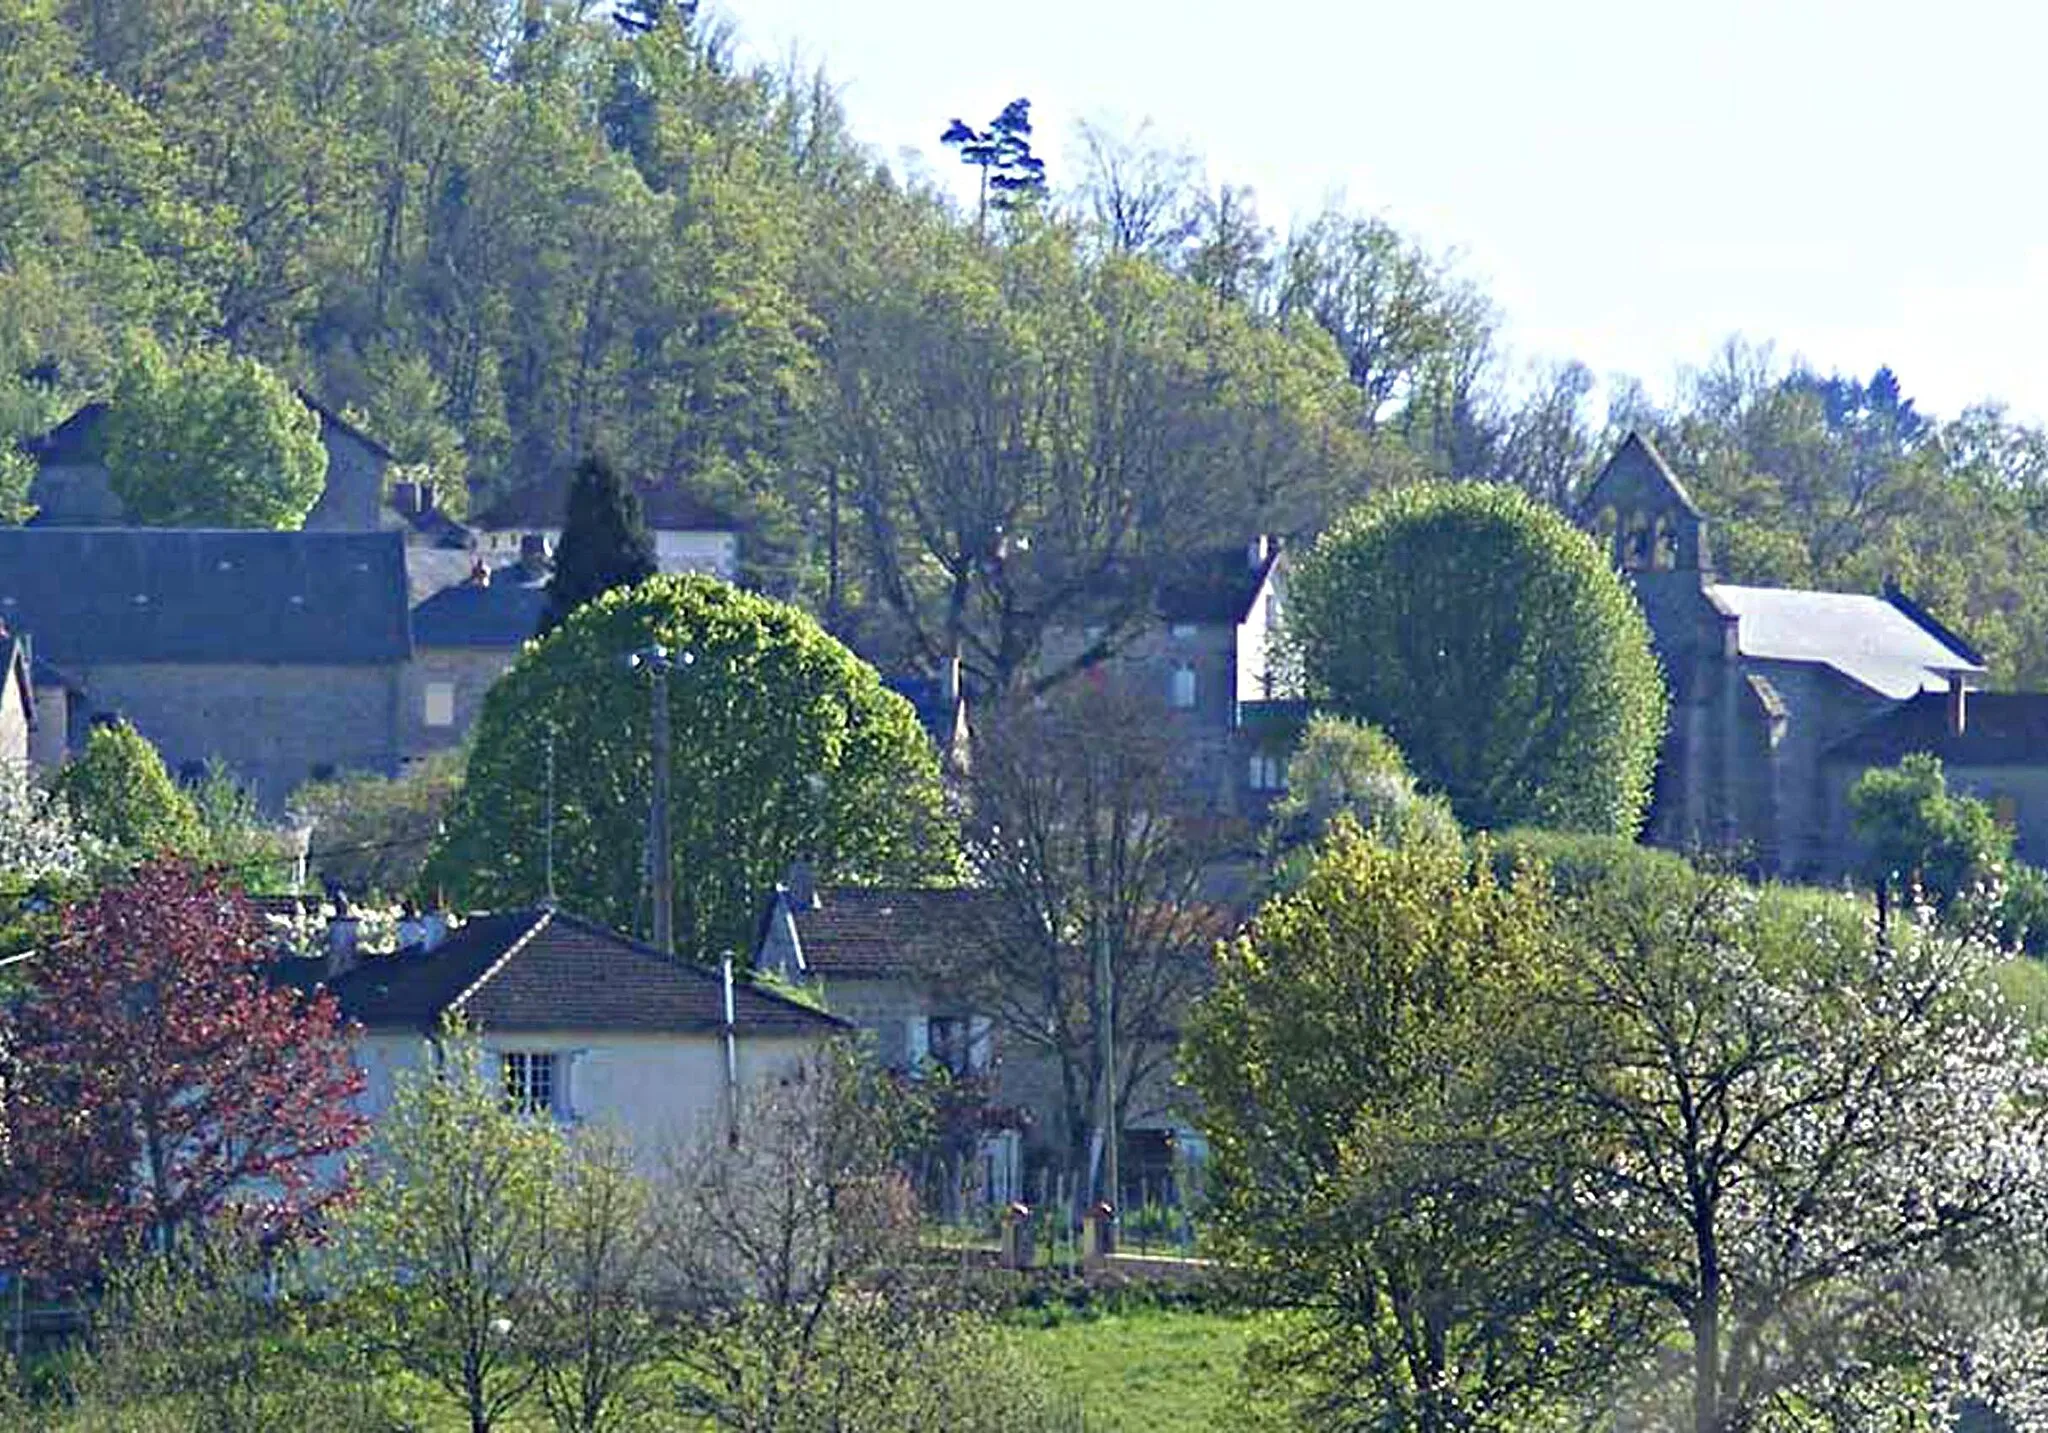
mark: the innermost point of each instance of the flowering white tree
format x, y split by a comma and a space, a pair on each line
37, 837
1791, 1140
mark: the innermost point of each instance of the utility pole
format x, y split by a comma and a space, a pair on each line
1105, 1040
663, 863
549, 831
659, 662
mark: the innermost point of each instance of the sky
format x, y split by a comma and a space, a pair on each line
1856, 184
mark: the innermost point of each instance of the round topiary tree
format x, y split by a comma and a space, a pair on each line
211, 439
785, 747
1490, 639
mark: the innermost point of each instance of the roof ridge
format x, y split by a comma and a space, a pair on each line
1930, 624
546, 914
743, 976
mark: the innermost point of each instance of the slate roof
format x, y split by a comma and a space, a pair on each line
2000, 729
97, 596
1871, 640
541, 969
504, 614
1214, 587
869, 933
542, 506
75, 440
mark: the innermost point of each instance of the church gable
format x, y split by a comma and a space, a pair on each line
1643, 515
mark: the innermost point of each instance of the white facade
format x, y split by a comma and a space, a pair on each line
714, 553
664, 1093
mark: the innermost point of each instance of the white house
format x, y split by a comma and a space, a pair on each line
587, 1025
689, 535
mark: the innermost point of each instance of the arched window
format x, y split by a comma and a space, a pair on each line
1635, 543
1664, 546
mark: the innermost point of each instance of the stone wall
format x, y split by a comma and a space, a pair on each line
277, 726
464, 675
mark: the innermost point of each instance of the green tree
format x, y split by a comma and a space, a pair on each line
605, 543
785, 746
1491, 641
1002, 153
1792, 1145
121, 794
1346, 766
234, 836
449, 1235
1919, 839
1036, 438
373, 833
592, 1331
1326, 1061
211, 440
221, 1337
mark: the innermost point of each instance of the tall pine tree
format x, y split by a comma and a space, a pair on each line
605, 543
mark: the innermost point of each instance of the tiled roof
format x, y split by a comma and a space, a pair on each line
542, 969
875, 933
541, 507
1870, 640
504, 614
94, 596
2000, 729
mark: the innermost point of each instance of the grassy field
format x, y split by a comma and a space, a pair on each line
1149, 1371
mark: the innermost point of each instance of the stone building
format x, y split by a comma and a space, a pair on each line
1206, 650
465, 637
72, 487
282, 653
1773, 690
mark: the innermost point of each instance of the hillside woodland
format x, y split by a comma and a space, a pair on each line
500, 236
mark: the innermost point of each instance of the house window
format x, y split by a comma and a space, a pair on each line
2005, 809
960, 1043
1181, 692
1183, 631
440, 704
1268, 772
530, 1081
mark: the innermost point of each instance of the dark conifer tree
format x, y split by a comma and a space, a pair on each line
605, 543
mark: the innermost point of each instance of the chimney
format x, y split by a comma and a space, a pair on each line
1958, 706
801, 884
1259, 551
342, 929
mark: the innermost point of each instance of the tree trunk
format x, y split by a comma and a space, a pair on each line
1706, 1356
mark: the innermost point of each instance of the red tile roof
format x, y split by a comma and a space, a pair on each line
543, 969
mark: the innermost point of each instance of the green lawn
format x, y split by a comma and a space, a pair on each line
1151, 1371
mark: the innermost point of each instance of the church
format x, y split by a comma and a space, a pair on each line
1781, 698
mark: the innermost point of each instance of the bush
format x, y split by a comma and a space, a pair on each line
1581, 862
